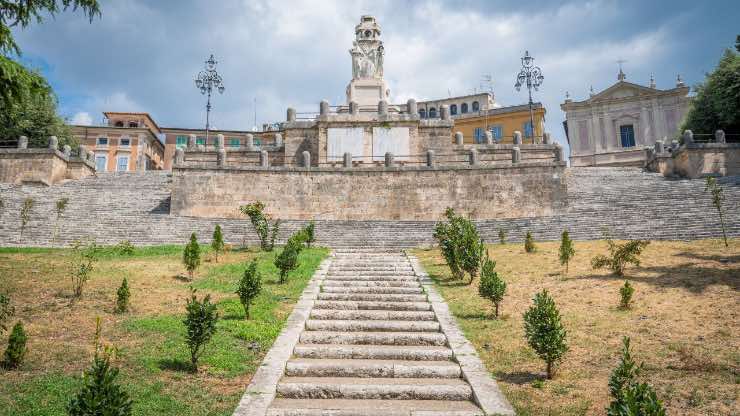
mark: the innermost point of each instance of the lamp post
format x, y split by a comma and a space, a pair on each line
206, 81
532, 77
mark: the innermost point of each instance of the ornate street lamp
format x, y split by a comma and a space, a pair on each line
532, 77
206, 81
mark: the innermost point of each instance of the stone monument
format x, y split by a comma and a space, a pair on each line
367, 87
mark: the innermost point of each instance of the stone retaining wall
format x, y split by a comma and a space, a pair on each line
45, 166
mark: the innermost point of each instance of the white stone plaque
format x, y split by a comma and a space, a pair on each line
342, 140
394, 140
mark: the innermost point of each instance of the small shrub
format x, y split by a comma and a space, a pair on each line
491, 286
84, 257
544, 331
191, 255
287, 260
16, 350
26, 209
460, 244
122, 297
261, 224
249, 287
201, 325
60, 207
620, 255
501, 236
6, 312
529, 246
625, 293
310, 232
217, 243
125, 248
566, 250
717, 198
630, 396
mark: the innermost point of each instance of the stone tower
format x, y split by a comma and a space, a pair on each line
367, 87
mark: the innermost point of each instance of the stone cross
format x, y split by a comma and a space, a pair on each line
388, 159
67, 150
348, 160
444, 112
23, 142
53, 143
411, 107
264, 159
719, 136
459, 138
306, 159
430, 158
517, 137
516, 154
179, 156
291, 114
474, 157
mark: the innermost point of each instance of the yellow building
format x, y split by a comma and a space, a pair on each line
502, 122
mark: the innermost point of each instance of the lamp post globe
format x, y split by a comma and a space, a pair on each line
206, 81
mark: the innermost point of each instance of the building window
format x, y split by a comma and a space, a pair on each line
181, 141
453, 109
497, 132
527, 128
101, 162
122, 165
234, 142
125, 142
627, 134
119, 123
480, 136
257, 142
432, 112
464, 108
102, 141
476, 106
200, 141
133, 124
422, 113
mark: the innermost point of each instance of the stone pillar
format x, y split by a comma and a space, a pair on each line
23, 142
354, 108
489, 137
192, 142
324, 108
559, 154
219, 144
91, 157
444, 112
53, 143
67, 150
383, 107
659, 147
430, 158
264, 159
516, 155
674, 144
546, 138
291, 114
221, 157
179, 156
347, 160
388, 159
688, 137
474, 157
82, 152
412, 108
278, 140
719, 136
306, 159
459, 140
250, 143
517, 138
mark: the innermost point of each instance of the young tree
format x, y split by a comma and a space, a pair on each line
122, 297
717, 198
287, 260
620, 255
261, 222
491, 286
201, 325
501, 236
460, 244
625, 295
125, 248
217, 244
529, 246
566, 250
249, 287
16, 347
60, 207
84, 257
26, 209
310, 233
6, 312
544, 332
631, 397
191, 255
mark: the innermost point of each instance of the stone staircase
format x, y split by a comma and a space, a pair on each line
372, 345
627, 202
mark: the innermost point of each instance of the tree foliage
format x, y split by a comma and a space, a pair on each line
501, 236
566, 250
491, 286
544, 331
630, 396
249, 286
191, 255
261, 223
717, 199
310, 233
217, 242
26, 209
84, 257
200, 323
34, 115
287, 260
620, 255
123, 294
529, 246
6, 312
625, 295
460, 244
17, 349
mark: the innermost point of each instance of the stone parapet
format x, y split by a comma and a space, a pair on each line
695, 159
42, 165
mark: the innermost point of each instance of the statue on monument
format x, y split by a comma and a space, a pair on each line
366, 63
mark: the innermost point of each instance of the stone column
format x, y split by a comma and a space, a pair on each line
516, 155
306, 159
53, 143
67, 150
412, 108
459, 139
324, 108
219, 142
474, 157
291, 114
221, 157
179, 156
444, 112
278, 140
659, 147
23, 142
388, 159
489, 137
250, 143
383, 107
688, 137
430, 158
546, 138
559, 155
719, 136
354, 108
264, 159
82, 152
347, 160
517, 138
192, 142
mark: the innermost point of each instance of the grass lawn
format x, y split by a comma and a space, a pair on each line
684, 324
152, 355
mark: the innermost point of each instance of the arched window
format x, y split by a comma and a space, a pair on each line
464, 108
476, 106
453, 109
422, 113
119, 123
432, 112
133, 124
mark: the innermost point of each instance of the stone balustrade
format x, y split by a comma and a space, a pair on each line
47, 165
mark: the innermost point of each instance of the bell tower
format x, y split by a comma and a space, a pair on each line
367, 87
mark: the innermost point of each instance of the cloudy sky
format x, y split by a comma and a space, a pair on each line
143, 55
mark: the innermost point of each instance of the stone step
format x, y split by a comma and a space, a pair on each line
372, 289
361, 278
371, 283
373, 352
379, 315
332, 367
373, 338
370, 273
372, 298
372, 305
372, 326
343, 407
368, 388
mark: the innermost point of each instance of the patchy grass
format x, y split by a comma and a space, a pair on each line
152, 355
684, 324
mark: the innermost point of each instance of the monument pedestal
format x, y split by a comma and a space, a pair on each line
367, 92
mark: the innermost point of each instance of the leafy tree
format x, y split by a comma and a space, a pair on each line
566, 250
261, 222
460, 244
201, 325
16, 347
217, 243
287, 260
625, 295
491, 286
84, 257
310, 233
125, 248
620, 255
529, 246
501, 236
631, 397
26, 209
544, 331
60, 206
249, 287
35, 116
191, 255
122, 297
717, 198
717, 101
6, 312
